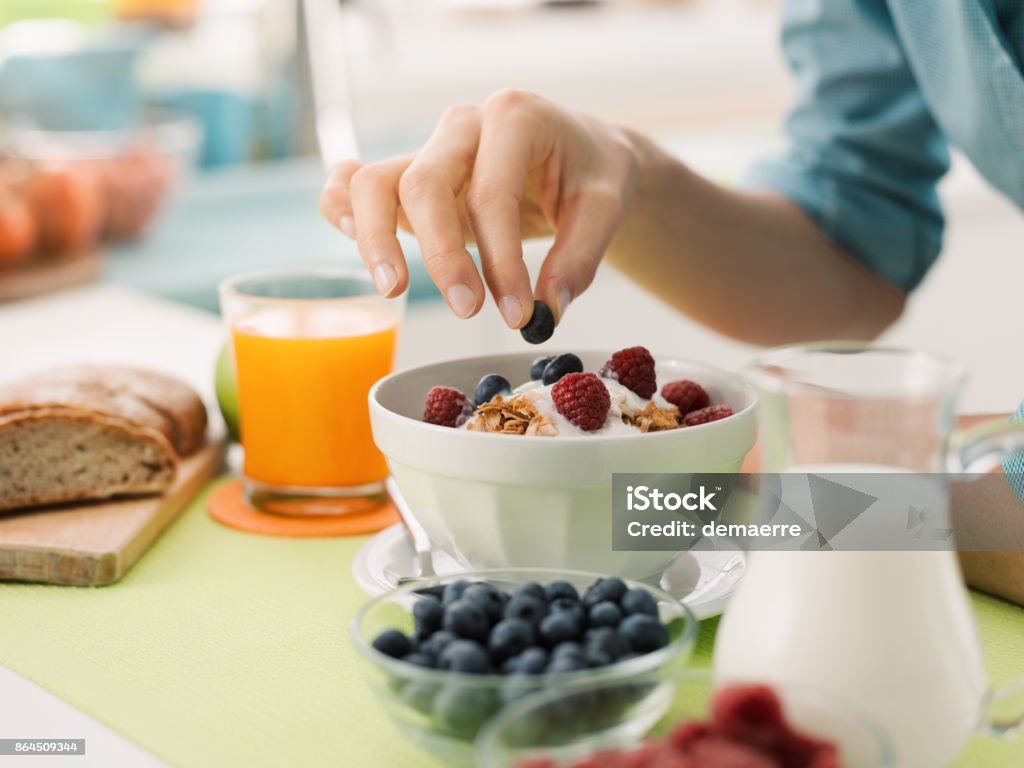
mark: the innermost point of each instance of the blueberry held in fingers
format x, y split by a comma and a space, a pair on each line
490, 385
561, 365
541, 325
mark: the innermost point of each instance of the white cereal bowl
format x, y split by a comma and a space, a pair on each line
516, 501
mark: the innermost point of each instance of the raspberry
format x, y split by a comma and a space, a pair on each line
633, 368
686, 395
686, 734
803, 751
704, 415
446, 407
665, 757
741, 706
716, 752
751, 715
583, 399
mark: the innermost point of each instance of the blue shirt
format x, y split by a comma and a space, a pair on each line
883, 89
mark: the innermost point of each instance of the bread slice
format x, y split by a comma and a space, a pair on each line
143, 397
60, 454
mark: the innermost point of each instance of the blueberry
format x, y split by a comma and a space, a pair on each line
436, 591
645, 633
568, 648
558, 628
561, 365
566, 605
392, 643
606, 614
453, 591
420, 659
526, 607
557, 589
596, 658
532, 589
487, 599
465, 656
541, 325
538, 366
565, 663
510, 637
490, 385
604, 589
532, 661
461, 710
607, 641
466, 619
639, 600
428, 614
436, 643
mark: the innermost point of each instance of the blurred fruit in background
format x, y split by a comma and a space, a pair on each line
17, 227
68, 207
226, 385
86, 188
167, 13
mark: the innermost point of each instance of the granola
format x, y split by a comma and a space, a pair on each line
515, 415
653, 418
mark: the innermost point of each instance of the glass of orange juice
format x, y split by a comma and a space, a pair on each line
308, 345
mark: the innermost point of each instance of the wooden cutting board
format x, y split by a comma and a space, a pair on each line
94, 544
37, 278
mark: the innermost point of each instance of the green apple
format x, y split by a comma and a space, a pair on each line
226, 386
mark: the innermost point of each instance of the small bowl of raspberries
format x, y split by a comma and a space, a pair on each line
448, 654
728, 725
507, 460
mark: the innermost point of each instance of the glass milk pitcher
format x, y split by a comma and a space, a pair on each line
890, 632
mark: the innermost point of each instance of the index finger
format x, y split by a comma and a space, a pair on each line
514, 140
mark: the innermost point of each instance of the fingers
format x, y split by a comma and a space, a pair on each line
335, 203
428, 192
374, 201
513, 140
586, 224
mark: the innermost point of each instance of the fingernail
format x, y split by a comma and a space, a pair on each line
564, 297
347, 225
461, 299
384, 277
512, 310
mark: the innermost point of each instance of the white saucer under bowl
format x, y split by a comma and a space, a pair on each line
703, 580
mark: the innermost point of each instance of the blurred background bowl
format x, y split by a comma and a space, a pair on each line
496, 501
443, 711
133, 171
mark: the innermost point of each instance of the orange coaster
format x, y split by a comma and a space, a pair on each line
227, 505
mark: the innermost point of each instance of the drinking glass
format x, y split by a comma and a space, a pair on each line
890, 631
308, 344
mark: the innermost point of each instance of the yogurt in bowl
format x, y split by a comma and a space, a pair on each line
498, 500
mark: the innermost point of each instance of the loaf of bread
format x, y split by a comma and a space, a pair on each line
94, 432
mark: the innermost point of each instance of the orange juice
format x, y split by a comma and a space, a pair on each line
303, 380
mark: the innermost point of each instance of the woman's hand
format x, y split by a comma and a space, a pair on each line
516, 168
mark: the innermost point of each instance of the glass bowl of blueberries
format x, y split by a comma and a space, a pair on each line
448, 653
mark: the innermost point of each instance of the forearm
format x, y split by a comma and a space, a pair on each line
751, 266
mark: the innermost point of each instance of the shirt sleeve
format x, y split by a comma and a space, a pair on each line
863, 152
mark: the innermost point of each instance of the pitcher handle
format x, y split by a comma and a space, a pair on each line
984, 446
974, 452
1004, 711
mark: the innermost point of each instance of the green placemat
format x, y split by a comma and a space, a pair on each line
222, 648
